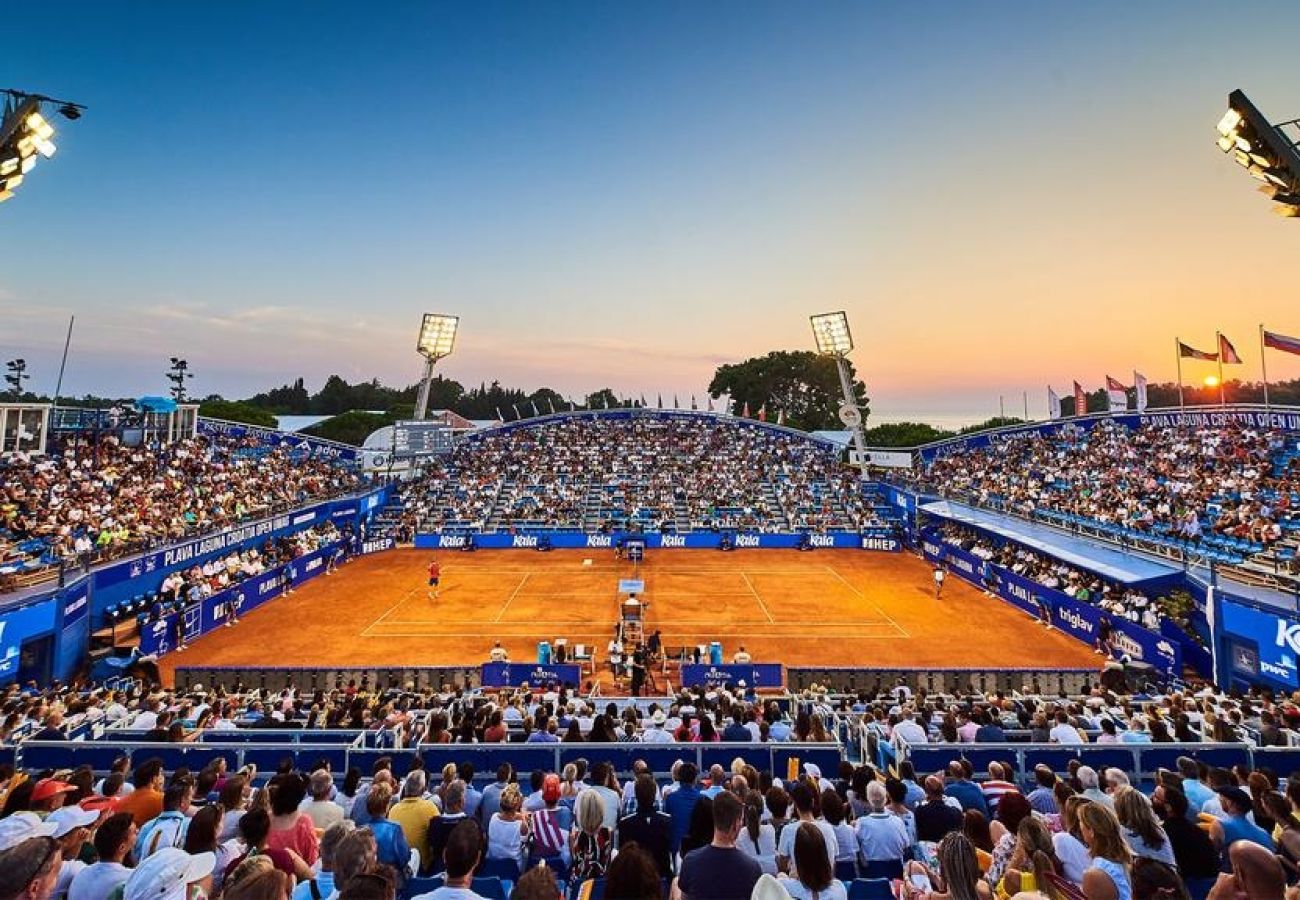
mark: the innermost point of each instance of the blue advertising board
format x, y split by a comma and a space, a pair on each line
882, 539
1079, 620
19, 625
271, 438
533, 674
159, 636
755, 675
1275, 640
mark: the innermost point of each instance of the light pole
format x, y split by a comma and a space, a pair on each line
831, 331
26, 135
177, 374
16, 376
1264, 150
437, 338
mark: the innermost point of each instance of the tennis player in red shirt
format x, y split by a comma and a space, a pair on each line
435, 572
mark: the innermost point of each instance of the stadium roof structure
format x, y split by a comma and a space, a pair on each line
838, 438
1114, 565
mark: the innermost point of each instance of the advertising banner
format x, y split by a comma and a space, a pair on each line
271, 438
881, 539
1275, 640
534, 674
20, 625
755, 675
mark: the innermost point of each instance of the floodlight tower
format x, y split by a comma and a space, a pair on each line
1264, 150
25, 135
437, 338
831, 331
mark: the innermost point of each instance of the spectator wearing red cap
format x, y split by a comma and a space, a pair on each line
48, 795
551, 824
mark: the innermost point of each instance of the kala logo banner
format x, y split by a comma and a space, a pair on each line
524, 540
599, 540
746, 540
673, 540
452, 541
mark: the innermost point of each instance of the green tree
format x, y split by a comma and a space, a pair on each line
995, 422
605, 398
802, 384
904, 434
547, 401
235, 411
349, 427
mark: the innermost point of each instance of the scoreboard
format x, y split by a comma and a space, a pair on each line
421, 438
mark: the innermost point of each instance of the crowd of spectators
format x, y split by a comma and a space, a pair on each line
1086, 587
662, 474
1184, 482
100, 499
245, 835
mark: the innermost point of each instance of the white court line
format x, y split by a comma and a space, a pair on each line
749, 584
389, 611
510, 598
887, 616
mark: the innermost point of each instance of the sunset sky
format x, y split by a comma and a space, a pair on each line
1002, 196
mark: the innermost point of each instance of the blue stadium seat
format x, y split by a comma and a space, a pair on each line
870, 889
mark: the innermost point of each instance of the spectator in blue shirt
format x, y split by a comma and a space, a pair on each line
681, 802
490, 804
545, 734
465, 771
965, 791
989, 732
390, 840
1043, 797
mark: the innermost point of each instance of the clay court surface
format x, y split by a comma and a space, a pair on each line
822, 608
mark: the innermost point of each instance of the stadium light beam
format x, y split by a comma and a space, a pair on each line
833, 337
1266, 151
437, 340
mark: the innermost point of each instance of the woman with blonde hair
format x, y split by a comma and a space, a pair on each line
1108, 876
257, 878
590, 842
507, 831
569, 781
1034, 854
1070, 848
1144, 834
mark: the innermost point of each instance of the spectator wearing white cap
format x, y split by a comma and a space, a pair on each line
169, 874
71, 828
655, 732
113, 841
22, 826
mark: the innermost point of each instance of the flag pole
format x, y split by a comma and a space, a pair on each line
1178, 358
1218, 339
1263, 364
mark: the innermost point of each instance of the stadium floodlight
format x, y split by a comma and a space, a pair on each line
26, 135
437, 340
831, 331
1266, 151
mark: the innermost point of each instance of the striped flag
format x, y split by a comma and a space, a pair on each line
762, 412
745, 412
1187, 352
1080, 400
1228, 353
1140, 388
1053, 404
1282, 342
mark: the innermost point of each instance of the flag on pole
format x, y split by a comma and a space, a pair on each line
1053, 404
1282, 342
762, 412
1187, 352
552, 402
1228, 353
518, 414
694, 406
1080, 400
710, 399
744, 413
535, 412
659, 402
780, 417
500, 418
676, 405
1117, 394
643, 403
1140, 388
573, 407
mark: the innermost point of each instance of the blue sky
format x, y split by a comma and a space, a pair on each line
1002, 197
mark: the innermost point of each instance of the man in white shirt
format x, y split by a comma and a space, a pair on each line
1065, 733
322, 810
113, 840
907, 731
655, 733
